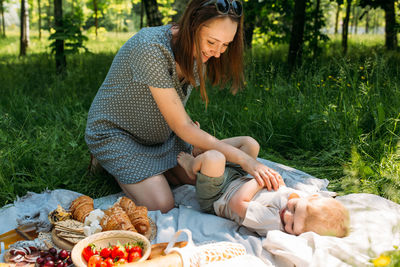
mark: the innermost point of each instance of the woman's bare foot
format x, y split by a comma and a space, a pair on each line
186, 160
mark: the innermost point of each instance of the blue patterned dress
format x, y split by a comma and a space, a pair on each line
125, 130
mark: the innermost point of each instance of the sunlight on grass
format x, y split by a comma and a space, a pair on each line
105, 42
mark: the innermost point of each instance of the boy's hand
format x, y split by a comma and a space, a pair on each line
265, 176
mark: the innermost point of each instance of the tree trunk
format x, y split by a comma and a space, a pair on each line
390, 26
345, 29
248, 33
96, 25
24, 38
296, 38
367, 22
39, 20
314, 41
152, 13
61, 62
352, 21
356, 15
337, 18
3, 23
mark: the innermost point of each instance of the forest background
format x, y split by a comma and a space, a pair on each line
321, 94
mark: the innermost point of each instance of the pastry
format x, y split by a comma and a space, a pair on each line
81, 207
115, 218
140, 220
137, 214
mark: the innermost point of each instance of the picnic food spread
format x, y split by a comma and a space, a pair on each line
80, 221
83, 220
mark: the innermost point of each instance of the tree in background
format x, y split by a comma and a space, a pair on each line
179, 6
68, 37
99, 8
152, 13
338, 8
24, 28
345, 26
96, 18
315, 22
390, 20
367, 19
3, 22
39, 19
61, 61
296, 38
252, 11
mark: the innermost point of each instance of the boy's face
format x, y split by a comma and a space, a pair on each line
293, 216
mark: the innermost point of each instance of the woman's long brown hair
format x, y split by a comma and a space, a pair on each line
229, 66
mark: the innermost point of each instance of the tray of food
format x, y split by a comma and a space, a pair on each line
82, 220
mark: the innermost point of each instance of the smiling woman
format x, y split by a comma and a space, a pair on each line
137, 123
215, 37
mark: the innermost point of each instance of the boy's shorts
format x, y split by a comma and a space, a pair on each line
210, 189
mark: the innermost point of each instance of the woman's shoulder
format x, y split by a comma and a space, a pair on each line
160, 35
151, 41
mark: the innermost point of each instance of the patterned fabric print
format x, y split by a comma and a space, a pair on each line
125, 130
216, 252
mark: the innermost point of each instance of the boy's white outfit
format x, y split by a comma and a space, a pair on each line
263, 212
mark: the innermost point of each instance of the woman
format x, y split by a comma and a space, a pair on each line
137, 124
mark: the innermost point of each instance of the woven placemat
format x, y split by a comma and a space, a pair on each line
152, 233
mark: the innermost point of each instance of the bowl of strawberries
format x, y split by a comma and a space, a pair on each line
111, 248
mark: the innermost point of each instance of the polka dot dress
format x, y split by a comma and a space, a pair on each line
125, 130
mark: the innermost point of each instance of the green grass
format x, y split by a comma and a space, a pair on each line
335, 117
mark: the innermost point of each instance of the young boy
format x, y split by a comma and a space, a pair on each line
223, 189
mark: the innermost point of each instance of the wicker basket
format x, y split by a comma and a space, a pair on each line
104, 239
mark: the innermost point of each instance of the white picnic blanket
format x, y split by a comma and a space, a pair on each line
375, 225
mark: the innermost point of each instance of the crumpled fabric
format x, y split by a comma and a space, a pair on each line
47, 201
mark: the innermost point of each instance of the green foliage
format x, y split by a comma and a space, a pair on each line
166, 10
71, 33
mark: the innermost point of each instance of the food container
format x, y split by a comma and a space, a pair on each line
104, 239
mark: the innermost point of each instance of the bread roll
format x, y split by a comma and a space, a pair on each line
115, 218
81, 207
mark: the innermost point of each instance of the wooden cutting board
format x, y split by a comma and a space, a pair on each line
59, 242
23, 232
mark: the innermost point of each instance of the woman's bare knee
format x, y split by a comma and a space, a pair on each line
153, 192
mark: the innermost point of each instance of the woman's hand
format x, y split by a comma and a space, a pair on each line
264, 175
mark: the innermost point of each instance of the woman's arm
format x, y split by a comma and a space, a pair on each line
242, 197
172, 109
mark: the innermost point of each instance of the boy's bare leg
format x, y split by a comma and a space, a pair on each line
210, 163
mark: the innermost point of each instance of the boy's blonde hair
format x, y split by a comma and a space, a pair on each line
327, 216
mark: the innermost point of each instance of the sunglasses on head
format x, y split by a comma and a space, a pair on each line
223, 6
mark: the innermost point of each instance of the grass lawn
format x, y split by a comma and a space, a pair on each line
335, 117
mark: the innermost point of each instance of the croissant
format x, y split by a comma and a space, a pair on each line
81, 207
137, 214
127, 205
115, 218
140, 220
